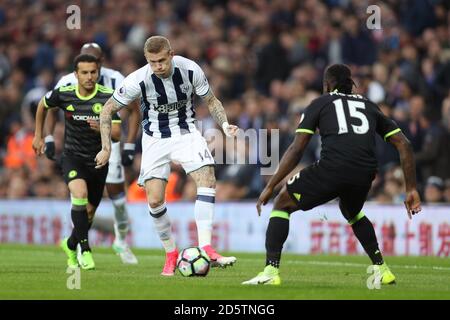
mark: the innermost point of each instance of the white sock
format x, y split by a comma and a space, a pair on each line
163, 227
120, 218
204, 213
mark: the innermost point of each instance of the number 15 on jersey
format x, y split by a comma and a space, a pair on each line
353, 107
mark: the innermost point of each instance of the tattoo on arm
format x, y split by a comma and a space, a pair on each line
215, 108
108, 110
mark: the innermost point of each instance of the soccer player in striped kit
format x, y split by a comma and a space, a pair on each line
166, 87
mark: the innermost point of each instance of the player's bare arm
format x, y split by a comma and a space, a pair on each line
288, 162
50, 121
218, 113
38, 140
49, 128
110, 107
405, 150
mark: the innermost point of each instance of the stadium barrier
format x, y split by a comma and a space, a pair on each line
238, 228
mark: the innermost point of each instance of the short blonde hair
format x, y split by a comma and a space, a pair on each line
156, 44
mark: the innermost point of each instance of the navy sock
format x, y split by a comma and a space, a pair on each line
276, 234
81, 228
365, 233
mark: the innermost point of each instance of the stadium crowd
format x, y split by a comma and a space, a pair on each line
264, 60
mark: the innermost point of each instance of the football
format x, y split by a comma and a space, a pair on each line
193, 262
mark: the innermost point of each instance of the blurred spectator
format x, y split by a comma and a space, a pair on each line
19, 151
447, 191
31, 100
358, 47
434, 157
434, 190
175, 184
17, 188
42, 188
136, 193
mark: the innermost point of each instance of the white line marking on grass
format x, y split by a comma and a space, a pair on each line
351, 264
153, 256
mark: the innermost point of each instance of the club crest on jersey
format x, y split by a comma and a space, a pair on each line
184, 87
156, 95
97, 108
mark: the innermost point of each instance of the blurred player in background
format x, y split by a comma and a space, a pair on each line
82, 104
115, 181
347, 124
166, 86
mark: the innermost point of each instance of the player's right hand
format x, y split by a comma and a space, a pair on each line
412, 203
49, 147
229, 129
264, 197
38, 145
102, 158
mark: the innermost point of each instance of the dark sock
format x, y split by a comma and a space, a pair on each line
365, 233
276, 234
81, 227
72, 241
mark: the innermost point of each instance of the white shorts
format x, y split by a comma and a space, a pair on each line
116, 173
190, 150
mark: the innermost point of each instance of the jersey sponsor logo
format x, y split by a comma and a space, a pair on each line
166, 108
97, 108
78, 117
70, 108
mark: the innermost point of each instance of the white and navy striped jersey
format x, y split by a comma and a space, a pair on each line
108, 77
167, 104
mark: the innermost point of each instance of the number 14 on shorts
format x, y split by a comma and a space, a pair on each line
206, 155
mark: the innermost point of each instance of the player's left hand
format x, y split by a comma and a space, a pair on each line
229, 129
94, 124
264, 197
412, 203
38, 145
102, 158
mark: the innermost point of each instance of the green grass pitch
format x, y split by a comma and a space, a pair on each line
39, 272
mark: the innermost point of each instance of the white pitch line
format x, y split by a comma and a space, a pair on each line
311, 262
351, 264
